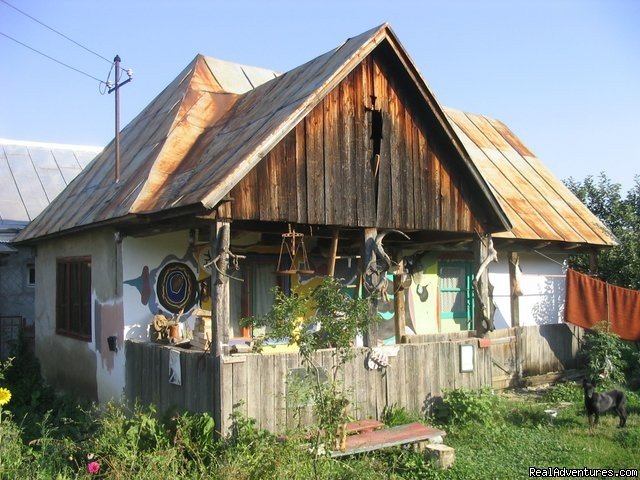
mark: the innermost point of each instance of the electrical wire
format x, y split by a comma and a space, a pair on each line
56, 31
51, 58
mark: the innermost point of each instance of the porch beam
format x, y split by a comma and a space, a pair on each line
368, 241
484, 254
399, 315
514, 288
219, 246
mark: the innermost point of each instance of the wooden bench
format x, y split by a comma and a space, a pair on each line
387, 437
359, 426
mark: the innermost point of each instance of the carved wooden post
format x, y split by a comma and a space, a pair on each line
220, 242
219, 248
369, 240
484, 254
515, 292
398, 302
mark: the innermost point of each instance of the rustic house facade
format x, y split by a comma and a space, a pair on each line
350, 156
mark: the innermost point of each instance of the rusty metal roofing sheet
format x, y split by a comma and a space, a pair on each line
539, 206
216, 120
34, 173
235, 78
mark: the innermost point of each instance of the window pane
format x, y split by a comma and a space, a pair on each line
73, 297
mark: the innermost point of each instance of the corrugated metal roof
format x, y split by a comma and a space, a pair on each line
539, 206
33, 174
216, 120
203, 133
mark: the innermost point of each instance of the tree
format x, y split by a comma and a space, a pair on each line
619, 265
324, 317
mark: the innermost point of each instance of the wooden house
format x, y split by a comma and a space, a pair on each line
350, 154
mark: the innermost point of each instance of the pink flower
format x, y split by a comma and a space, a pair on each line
93, 468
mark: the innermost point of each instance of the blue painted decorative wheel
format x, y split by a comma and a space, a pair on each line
176, 287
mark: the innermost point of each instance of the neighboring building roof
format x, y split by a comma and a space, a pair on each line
32, 175
202, 134
539, 206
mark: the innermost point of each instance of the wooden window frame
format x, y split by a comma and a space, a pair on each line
73, 297
248, 285
31, 267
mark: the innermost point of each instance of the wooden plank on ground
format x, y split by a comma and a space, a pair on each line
388, 437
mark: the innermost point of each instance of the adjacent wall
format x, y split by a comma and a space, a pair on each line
542, 283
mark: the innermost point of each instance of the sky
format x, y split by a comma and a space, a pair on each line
564, 75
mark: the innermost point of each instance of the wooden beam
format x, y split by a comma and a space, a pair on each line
484, 253
368, 242
332, 255
219, 242
219, 247
399, 317
515, 292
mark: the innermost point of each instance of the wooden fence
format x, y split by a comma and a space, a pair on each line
257, 385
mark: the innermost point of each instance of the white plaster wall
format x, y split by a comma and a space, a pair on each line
90, 369
153, 252
86, 368
542, 282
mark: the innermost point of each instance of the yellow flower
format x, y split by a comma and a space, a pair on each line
5, 396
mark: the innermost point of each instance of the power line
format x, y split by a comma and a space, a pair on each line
51, 58
56, 31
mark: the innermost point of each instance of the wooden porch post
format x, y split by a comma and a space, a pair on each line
484, 253
219, 247
515, 292
398, 303
369, 239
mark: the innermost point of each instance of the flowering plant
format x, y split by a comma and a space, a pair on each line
5, 396
93, 468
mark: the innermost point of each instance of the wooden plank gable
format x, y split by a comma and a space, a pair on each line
330, 170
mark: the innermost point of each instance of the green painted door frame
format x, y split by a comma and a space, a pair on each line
455, 288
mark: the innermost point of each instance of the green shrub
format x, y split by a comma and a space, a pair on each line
628, 438
15, 456
393, 415
461, 406
564, 392
606, 355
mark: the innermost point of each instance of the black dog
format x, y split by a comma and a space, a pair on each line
597, 403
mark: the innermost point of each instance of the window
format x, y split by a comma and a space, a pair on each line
31, 275
73, 297
254, 295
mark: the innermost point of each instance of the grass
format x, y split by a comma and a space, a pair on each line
494, 436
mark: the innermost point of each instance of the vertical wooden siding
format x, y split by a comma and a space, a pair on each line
257, 384
321, 172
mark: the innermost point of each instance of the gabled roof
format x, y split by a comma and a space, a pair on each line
32, 175
539, 206
209, 128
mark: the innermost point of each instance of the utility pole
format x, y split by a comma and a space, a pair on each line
116, 89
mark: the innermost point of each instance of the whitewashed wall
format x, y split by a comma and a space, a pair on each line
87, 368
153, 252
542, 282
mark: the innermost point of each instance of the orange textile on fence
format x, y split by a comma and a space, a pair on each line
590, 301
